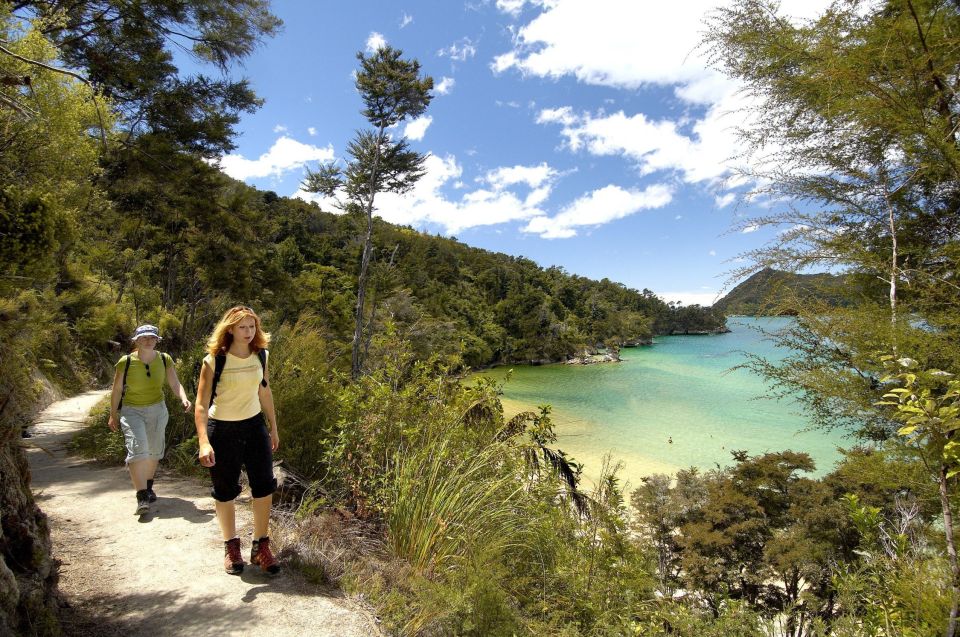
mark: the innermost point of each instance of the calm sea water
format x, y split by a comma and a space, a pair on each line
672, 405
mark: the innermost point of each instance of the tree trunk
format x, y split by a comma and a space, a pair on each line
355, 359
951, 552
893, 265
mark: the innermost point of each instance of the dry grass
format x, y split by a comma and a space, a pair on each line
326, 545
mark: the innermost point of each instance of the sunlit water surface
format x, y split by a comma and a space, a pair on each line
672, 405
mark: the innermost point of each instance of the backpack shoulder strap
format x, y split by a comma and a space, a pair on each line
123, 390
262, 357
219, 361
164, 358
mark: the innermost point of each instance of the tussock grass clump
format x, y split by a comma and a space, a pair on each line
444, 506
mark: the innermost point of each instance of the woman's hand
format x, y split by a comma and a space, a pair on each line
274, 439
113, 422
187, 405
206, 455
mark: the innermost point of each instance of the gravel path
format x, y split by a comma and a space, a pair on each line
161, 574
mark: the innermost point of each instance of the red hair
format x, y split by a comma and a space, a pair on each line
221, 338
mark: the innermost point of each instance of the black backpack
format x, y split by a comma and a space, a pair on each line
126, 368
220, 360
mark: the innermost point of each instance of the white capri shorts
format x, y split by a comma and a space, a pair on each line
143, 430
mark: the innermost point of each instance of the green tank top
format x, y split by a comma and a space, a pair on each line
143, 390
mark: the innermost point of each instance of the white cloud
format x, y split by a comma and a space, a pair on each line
312, 131
459, 50
445, 85
702, 155
563, 115
503, 62
624, 44
417, 128
514, 7
428, 204
532, 176
405, 20
723, 201
285, 155
375, 41
750, 228
712, 253
678, 218
690, 298
279, 128
436, 200
599, 207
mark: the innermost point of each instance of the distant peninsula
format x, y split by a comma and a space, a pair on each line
772, 292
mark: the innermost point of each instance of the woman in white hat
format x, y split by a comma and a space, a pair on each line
137, 407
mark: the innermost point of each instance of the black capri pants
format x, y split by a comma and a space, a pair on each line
236, 444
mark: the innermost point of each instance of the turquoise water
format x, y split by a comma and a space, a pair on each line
672, 405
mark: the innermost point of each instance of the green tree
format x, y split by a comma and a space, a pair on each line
392, 90
125, 50
928, 405
854, 135
47, 156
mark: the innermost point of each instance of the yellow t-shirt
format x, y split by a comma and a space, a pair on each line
143, 390
238, 396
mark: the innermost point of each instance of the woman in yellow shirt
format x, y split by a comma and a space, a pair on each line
237, 427
137, 407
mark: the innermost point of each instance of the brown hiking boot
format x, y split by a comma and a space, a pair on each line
143, 503
261, 555
232, 560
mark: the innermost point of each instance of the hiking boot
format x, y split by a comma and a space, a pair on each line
143, 502
262, 556
150, 494
232, 560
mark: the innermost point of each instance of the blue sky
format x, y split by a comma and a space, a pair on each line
587, 134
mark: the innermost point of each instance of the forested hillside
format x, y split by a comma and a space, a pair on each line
772, 292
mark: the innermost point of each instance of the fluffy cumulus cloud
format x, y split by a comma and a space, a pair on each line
375, 41
700, 152
507, 194
625, 44
599, 207
444, 86
532, 176
285, 155
417, 128
428, 203
405, 20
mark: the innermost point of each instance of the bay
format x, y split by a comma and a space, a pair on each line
672, 405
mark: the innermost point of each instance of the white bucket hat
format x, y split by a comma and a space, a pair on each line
146, 330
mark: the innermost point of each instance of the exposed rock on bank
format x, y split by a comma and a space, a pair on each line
719, 330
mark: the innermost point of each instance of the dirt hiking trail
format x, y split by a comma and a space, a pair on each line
161, 574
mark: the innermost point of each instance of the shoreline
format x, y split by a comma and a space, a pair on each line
566, 427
